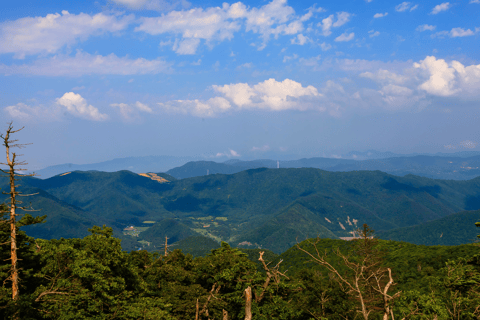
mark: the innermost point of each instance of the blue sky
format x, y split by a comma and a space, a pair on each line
97, 80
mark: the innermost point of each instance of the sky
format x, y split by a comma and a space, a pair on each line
96, 80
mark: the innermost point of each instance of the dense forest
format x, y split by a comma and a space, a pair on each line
93, 278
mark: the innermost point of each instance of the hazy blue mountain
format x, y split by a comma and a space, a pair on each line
435, 167
165, 163
134, 164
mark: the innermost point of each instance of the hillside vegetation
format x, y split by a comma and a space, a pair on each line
262, 208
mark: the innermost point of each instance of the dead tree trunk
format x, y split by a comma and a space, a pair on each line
248, 303
12, 165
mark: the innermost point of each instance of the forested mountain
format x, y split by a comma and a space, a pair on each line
267, 208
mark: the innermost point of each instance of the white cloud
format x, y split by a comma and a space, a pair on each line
86, 64
449, 79
459, 32
373, 33
425, 27
293, 57
208, 108
385, 76
342, 18
216, 24
380, 15
196, 63
125, 110
143, 107
187, 46
26, 112
455, 33
310, 62
78, 106
264, 148
246, 65
234, 153
230, 153
300, 39
327, 23
468, 144
345, 37
404, 6
441, 7
131, 112
474, 1
269, 95
157, 5
28, 36
325, 46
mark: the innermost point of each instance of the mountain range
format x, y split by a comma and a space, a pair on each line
429, 165
254, 208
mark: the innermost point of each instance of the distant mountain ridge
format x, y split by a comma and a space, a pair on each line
435, 167
165, 163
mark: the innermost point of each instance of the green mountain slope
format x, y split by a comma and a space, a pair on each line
171, 228
454, 229
266, 207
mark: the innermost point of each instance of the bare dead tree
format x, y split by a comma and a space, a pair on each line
214, 291
367, 276
12, 173
272, 273
166, 245
248, 303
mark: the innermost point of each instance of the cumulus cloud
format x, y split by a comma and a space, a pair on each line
157, 5
449, 79
269, 95
76, 105
404, 6
373, 33
28, 36
215, 24
86, 64
425, 27
380, 15
441, 7
344, 37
